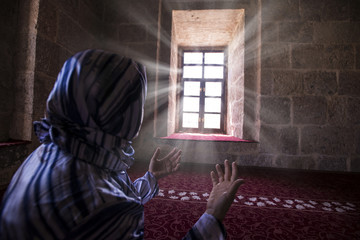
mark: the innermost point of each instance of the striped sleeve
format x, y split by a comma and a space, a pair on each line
147, 187
206, 228
119, 221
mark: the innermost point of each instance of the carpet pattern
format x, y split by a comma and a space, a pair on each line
272, 204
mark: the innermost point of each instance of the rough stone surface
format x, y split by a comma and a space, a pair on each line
353, 111
327, 141
269, 138
337, 111
270, 32
287, 83
289, 141
295, 162
266, 82
275, 10
275, 110
307, 56
309, 110
349, 83
299, 32
354, 165
47, 20
332, 163
339, 57
275, 55
320, 83
336, 32
358, 57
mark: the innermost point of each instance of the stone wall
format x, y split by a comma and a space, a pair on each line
8, 15
310, 84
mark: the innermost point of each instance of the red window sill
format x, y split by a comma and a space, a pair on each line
205, 137
13, 143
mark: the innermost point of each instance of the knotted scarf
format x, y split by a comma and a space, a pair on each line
96, 108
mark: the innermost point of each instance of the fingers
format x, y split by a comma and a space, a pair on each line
214, 178
171, 154
235, 173
156, 154
227, 170
219, 172
234, 186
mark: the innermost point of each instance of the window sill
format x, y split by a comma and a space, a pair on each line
11, 143
205, 137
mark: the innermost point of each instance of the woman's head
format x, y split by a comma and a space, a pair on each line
101, 90
96, 108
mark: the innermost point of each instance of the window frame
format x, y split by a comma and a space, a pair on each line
203, 80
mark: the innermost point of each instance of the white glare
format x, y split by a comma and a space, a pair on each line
192, 58
213, 72
214, 58
212, 121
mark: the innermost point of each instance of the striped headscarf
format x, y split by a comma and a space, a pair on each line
96, 108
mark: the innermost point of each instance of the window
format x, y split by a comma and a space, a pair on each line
213, 30
203, 107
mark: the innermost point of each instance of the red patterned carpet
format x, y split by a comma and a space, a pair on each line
272, 204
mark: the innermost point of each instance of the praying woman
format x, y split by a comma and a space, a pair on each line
75, 184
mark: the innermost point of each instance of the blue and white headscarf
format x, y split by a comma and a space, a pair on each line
96, 108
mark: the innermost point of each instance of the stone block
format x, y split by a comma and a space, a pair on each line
349, 83
328, 163
69, 7
275, 110
42, 88
72, 36
143, 11
309, 110
307, 56
327, 140
287, 83
269, 32
337, 111
47, 57
266, 82
357, 142
280, 10
241, 148
116, 12
5, 119
357, 57
269, 139
295, 162
47, 20
311, 10
354, 10
334, 10
132, 33
355, 165
275, 55
336, 32
89, 20
96, 7
289, 140
324, 10
320, 83
300, 32
339, 57
143, 53
6, 91
8, 12
353, 111
255, 161
24, 92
